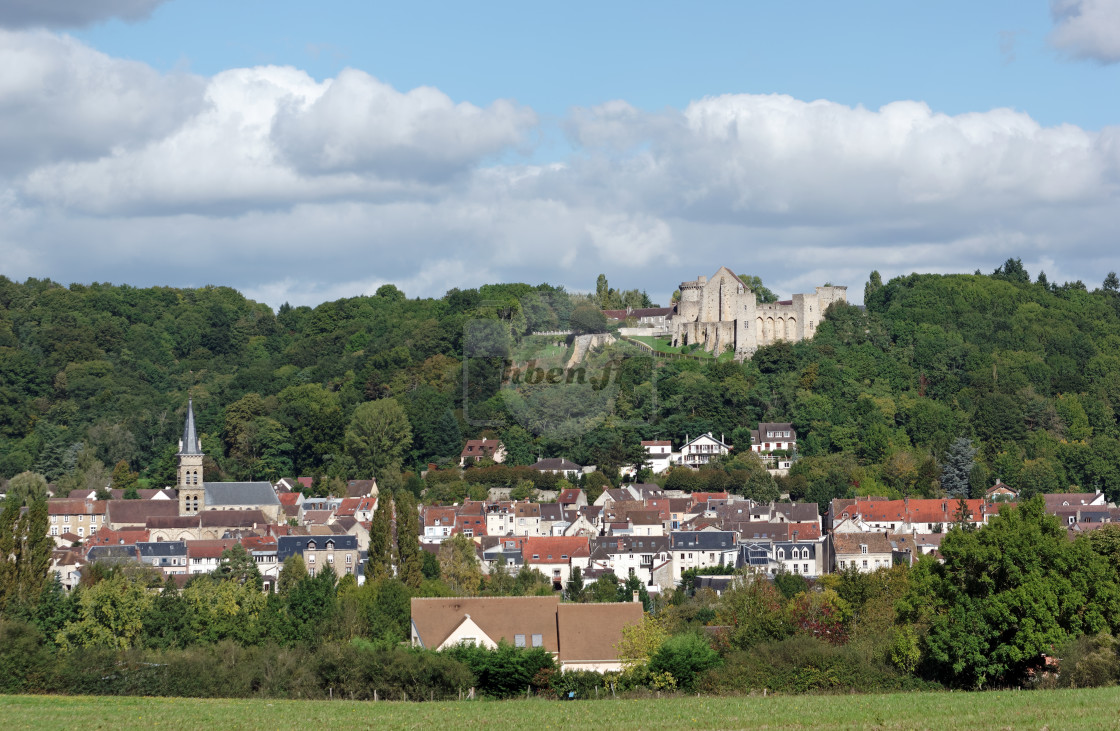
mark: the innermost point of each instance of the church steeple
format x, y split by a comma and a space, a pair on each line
192, 488
190, 443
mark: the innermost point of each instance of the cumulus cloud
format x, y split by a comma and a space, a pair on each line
299, 190
362, 125
60, 99
71, 13
1087, 29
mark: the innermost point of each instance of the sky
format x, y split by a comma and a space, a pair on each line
304, 152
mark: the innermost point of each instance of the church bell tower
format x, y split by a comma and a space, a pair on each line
192, 492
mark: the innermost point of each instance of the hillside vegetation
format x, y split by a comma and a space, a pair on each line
1028, 372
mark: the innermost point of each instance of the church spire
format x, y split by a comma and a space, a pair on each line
190, 444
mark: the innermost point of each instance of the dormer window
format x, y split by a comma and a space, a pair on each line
311, 545
863, 548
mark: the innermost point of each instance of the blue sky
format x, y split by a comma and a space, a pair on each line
303, 152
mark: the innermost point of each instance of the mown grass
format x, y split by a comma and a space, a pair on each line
1069, 709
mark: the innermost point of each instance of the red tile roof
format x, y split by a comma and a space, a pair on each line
554, 549
106, 537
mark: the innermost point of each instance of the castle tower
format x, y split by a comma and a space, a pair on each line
192, 492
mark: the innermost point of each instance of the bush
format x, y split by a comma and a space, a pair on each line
685, 657
584, 683
506, 671
806, 664
1090, 661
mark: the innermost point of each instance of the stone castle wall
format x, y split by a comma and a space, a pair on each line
721, 312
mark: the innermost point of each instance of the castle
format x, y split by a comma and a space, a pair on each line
721, 313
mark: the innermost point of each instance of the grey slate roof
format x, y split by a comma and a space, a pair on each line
190, 436
291, 545
702, 540
240, 493
111, 554
161, 549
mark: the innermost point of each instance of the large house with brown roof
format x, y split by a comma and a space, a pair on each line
81, 518
865, 552
476, 450
580, 636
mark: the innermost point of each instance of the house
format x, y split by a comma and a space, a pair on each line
1000, 491
470, 519
78, 516
477, 450
580, 636
798, 557
170, 557
701, 549
572, 497
554, 556
362, 489
775, 443
659, 454
630, 556
334, 551
702, 450
438, 523
864, 552
559, 466
1073, 499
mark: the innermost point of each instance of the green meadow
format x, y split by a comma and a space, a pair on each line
1065, 709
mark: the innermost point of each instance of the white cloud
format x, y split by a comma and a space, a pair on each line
71, 13
297, 190
1088, 29
60, 99
359, 124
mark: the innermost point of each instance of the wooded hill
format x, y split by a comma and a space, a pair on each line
92, 375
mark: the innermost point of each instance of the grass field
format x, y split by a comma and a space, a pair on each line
1075, 709
662, 345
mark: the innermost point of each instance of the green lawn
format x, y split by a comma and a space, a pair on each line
664, 345
1072, 709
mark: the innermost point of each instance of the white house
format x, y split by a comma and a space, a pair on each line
659, 455
702, 449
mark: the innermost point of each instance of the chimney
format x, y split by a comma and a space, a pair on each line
635, 597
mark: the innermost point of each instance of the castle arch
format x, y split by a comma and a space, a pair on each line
791, 329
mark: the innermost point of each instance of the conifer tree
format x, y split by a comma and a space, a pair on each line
408, 540
379, 565
957, 467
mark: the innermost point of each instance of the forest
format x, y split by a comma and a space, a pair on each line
94, 381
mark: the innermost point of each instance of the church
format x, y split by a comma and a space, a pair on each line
722, 314
197, 495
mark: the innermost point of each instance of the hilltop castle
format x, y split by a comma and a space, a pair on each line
722, 313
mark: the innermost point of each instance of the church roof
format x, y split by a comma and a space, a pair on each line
190, 443
240, 493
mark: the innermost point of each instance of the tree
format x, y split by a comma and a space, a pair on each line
1007, 594
110, 614
292, 572
1111, 282
957, 468
761, 292
573, 590
1013, 271
27, 487
458, 565
640, 642
379, 565
238, 566
586, 318
378, 437
408, 540
25, 552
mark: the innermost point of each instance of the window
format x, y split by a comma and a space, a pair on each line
54, 518
66, 519
538, 640
330, 558
311, 545
311, 558
81, 531
349, 559
519, 640
805, 568
865, 563
863, 550
54, 530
